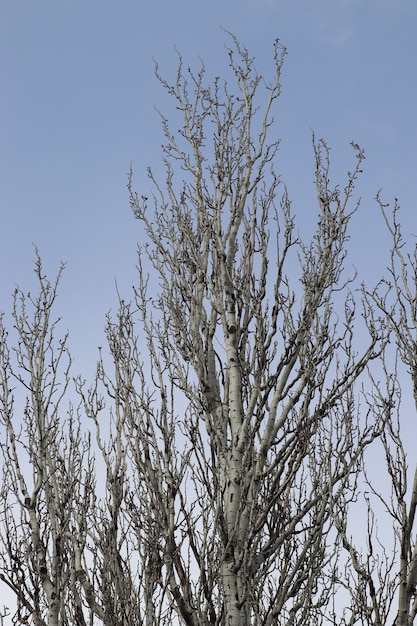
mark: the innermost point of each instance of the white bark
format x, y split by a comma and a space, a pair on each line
263, 367
38, 509
229, 415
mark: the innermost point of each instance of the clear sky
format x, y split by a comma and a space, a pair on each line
77, 106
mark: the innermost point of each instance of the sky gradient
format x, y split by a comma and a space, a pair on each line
77, 107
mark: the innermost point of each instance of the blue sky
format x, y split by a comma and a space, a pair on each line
77, 106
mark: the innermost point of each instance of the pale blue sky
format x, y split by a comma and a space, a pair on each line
77, 106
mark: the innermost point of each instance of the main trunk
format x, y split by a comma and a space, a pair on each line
234, 583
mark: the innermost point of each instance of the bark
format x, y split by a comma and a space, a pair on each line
268, 377
39, 505
233, 406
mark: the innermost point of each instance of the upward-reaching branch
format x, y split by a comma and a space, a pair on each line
265, 378
233, 407
40, 506
395, 298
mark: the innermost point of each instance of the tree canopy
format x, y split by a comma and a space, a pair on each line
245, 389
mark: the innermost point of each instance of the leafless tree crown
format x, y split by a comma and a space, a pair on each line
209, 474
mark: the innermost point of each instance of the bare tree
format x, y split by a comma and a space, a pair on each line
228, 420
244, 432
48, 475
386, 573
403, 320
